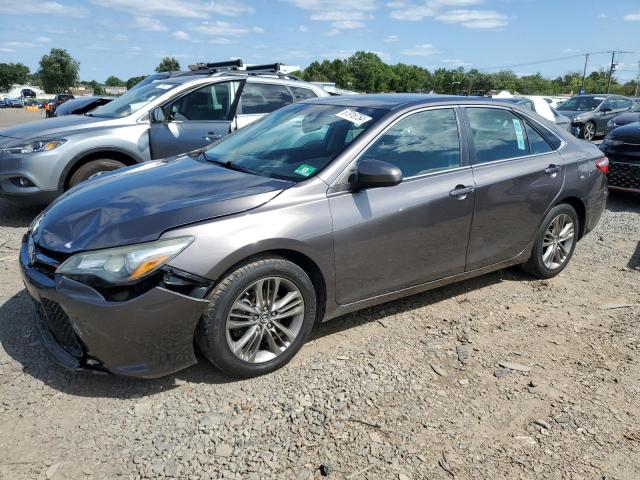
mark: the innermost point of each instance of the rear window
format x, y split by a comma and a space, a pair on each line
300, 93
261, 98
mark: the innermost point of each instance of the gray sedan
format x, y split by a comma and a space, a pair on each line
322, 208
589, 114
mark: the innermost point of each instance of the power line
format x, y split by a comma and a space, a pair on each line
551, 60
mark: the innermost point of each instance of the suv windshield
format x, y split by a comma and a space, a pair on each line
132, 101
581, 104
295, 142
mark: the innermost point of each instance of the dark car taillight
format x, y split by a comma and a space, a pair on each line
602, 164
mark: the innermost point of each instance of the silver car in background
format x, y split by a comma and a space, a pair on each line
170, 116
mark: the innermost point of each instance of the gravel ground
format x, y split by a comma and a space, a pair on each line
496, 377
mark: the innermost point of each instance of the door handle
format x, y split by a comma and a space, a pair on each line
551, 169
212, 137
461, 192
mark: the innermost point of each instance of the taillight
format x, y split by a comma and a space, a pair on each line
602, 164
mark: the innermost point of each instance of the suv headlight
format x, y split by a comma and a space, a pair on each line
610, 123
123, 265
40, 145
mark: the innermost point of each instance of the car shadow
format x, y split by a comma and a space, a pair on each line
623, 202
16, 216
20, 341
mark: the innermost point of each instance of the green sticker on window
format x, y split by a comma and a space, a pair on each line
305, 170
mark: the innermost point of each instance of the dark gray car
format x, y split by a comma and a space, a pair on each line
626, 118
589, 114
319, 209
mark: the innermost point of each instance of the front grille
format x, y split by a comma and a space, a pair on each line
624, 175
60, 326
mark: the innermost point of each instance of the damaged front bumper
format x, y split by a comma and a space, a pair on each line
147, 336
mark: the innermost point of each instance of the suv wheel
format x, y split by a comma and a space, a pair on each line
260, 315
555, 242
94, 168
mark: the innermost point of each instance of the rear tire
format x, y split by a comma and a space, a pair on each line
94, 168
219, 337
555, 243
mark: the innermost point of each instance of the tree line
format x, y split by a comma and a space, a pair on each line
361, 72
366, 72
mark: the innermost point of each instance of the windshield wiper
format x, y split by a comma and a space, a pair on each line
229, 164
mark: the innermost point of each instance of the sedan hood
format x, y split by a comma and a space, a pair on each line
574, 113
628, 133
49, 126
627, 118
138, 204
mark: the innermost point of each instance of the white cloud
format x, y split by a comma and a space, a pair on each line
149, 24
456, 61
180, 35
178, 8
571, 50
343, 14
485, 19
33, 7
7, 50
303, 28
347, 25
225, 29
43, 40
415, 12
18, 44
392, 38
603, 15
135, 50
422, 50
632, 17
220, 41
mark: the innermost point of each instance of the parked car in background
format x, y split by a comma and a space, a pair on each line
324, 207
40, 160
542, 108
15, 103
590, 113
61, 98
624, 119
81, 105
622, 148
152, 78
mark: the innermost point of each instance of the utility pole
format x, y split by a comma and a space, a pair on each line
637, 80
584, 72
613, 57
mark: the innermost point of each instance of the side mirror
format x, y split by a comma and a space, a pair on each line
605, 110
157, 115
375, 173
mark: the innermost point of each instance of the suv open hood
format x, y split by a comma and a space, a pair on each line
48, 126
138, 204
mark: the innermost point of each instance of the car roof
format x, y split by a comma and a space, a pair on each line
392, 101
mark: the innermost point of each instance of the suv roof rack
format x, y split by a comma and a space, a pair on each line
236, 67
212, 67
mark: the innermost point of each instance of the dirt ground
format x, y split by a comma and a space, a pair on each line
498, 377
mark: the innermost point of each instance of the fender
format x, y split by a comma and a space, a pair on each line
106, 148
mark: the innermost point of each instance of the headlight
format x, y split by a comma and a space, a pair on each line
576, 120
123, 265
610, 123
614, 143
41, 145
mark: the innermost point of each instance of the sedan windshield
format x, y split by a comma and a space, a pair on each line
581, 104
636, 108
295, 142
133, 100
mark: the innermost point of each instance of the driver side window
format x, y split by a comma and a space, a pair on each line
209, 103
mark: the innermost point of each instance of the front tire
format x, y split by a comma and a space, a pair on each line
259, 316
94, 168
589, 131
555, 243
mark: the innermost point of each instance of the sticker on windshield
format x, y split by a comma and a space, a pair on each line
305, 170
519, 134
163, 86
354, 117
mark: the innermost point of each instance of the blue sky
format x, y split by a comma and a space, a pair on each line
129, 37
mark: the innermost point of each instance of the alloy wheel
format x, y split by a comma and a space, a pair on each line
589, 131
265, 319
558, 241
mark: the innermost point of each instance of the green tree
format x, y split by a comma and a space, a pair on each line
96, 87
11, 73
113, 81
369, 72
58, 71
168, 64
134, 80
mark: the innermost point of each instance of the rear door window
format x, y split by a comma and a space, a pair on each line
208, 103
300, 93
497, 134
262, 98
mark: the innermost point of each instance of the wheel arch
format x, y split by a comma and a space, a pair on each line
302, 260
114, 153
580, 208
